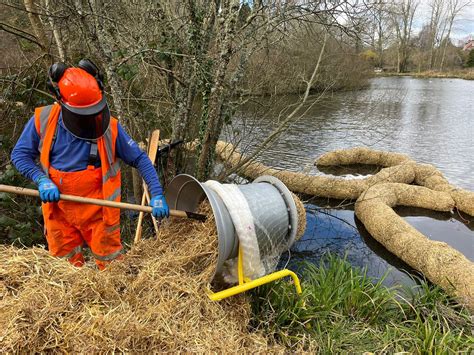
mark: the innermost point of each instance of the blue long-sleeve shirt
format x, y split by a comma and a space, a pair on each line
70, 153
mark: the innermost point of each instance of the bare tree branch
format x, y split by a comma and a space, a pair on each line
20, 33
291, 117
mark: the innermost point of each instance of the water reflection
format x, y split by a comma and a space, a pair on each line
431, 120
339, 232
350, 171
456, 229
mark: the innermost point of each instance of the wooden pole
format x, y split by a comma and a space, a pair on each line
95, 201
152, 149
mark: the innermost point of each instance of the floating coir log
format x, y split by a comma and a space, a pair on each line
322, 186
362, 155
424, 174
440, 263
376, 196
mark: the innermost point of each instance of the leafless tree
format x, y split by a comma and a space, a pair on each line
54, 27
454, 7
403, 12
380, 29
437, 9
184, 66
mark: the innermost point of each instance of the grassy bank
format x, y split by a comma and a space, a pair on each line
467, 74
342, 310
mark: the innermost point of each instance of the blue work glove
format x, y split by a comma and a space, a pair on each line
48, 191
160, 207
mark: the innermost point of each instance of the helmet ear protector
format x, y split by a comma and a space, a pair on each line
56, 71
90, 67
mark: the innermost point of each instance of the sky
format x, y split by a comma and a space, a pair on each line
463, 24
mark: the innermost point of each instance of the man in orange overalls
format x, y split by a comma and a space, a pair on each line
79, 145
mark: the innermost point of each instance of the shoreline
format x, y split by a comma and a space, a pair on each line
459, 74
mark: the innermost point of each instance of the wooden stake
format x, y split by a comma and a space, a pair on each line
152, 149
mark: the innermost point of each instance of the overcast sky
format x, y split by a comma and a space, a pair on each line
463, 25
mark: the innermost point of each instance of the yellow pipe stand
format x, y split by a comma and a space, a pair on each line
246, 284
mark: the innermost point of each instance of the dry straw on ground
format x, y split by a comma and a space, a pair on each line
152, 300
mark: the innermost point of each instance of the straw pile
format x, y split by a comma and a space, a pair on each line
152, 300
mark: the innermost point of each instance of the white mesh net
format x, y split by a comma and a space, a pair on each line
261, 221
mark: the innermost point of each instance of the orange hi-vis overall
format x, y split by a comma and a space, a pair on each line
70, 225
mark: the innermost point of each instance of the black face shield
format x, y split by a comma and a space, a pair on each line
90, 126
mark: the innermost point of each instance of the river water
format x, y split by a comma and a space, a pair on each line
431, 120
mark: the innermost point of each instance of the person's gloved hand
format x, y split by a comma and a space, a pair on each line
48, 191
160, 207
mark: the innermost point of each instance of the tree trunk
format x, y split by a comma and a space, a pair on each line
380, 47
443, 56
398, 59
436, 9
37, 25
455, 7
227, 21
184, 101
102, 42
56, 34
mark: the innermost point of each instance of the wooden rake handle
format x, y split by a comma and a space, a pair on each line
95, 201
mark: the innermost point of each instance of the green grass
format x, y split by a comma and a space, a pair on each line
343, 310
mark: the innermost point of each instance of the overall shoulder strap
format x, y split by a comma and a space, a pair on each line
93, 154
106, 147
42, 118
47, 118
109, 139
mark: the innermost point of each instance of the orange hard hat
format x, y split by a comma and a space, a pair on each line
84, 108
80, 92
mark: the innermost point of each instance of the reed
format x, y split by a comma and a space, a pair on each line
344, 310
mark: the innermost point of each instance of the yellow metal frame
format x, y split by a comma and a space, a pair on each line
246, 284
